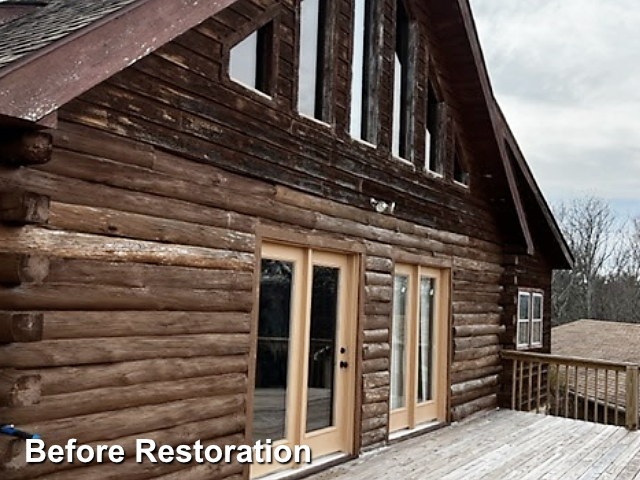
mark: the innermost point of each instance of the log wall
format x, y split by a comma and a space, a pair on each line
159, 180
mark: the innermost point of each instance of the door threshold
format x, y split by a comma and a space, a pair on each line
323, 463
401, 435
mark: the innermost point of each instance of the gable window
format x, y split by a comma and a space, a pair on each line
363, 72
530, 313
250, 60
460, 175
433, 160
402, 86
312, 79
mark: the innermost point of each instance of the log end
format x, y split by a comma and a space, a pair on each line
24, 208
18, 389
12, 453
21, 327
26, 148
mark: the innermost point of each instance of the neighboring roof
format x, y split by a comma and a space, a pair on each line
46, 24
58, 51
597, 339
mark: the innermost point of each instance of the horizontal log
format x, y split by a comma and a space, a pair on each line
375, 380
375, 365
470, 385
62, 380
208, 471
373, 410
476, 307
25, 148
473, 353
487, 361
376, 336
377, 322
16, 269
55, 243
23, 208
377, 293
50, 296
464, 343
377, 308
474, 374
117, 398
375, 423
138, 275
460, 319
85, 324
471, 286
462, 411
376, 350
110, 425
472, 395
21, 327
377, 278
19, 389
376, 395
56, 353
104, 221
373, 437
478, 330
378, 264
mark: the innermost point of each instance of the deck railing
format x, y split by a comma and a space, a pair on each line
593, 390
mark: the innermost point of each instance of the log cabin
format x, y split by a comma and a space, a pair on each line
230, 221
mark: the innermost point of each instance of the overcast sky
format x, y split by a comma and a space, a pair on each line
567, 75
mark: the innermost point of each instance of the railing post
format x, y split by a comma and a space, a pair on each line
631, 405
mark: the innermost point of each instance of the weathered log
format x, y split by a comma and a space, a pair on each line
378, 293
376, 350
487, 361
21, 327
377, 278
465, 387
117, 398
87, 297
374, 436
22, 208
376, 336
476, 373
478, 330
464, 343
19, 389
377, 308
207, 471
371, 410
374, 423
462, 411
120, 274
25, 148
379, 264
473, 353
374, 321
84, 324
472, 395
105, 221
62, 380
375, 380
375, 365
55, 243
461, 319
16, 269
376, 395
54, 353
476, 307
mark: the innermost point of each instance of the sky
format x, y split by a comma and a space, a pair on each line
567, 76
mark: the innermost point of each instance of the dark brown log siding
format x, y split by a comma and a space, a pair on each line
159, 179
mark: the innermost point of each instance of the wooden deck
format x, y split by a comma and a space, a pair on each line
504, 445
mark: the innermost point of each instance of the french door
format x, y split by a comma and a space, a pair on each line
418, 346
304, 372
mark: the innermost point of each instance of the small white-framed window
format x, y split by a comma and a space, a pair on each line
530, 315
250, 60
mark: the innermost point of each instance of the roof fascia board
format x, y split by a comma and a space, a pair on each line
39, 84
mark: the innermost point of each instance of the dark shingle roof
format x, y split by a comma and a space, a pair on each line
51, 22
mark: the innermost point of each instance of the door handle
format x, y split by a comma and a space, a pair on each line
344, 364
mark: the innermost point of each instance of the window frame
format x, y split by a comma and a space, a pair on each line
529, 321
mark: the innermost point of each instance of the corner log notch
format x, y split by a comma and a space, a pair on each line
20, 148
19, 389
24, 208
21, 327
12, 453
16, 269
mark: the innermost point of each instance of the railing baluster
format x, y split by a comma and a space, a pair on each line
530, 391
513, 384
566, 391
596, 396
606, 397
548, 402
557, 389
631, 405
575, 392
539, 387
617, 400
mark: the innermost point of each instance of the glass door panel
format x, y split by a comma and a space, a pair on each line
272, 359
398, 341
425, 339
322, 348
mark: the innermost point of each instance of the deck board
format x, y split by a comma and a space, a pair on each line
504, 445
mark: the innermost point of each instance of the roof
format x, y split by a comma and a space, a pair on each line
58, 51
597, 339
54, 20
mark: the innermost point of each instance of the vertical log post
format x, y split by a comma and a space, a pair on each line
632, 398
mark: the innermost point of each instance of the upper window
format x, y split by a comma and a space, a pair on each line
250, 60
530, 313
363, 72
312, 80
402, 85
432, 158
460, 174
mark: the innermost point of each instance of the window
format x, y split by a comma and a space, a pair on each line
530, 313
363, 72
312, 81
460, 175
432, 158
402, 86
250, 60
